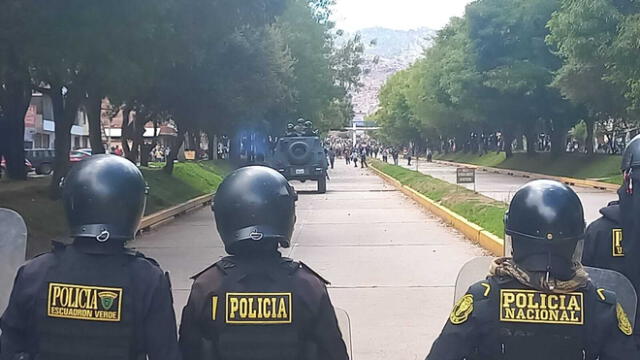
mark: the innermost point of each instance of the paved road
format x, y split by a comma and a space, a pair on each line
502, 187
392, 265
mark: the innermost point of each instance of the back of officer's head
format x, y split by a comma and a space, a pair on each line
254, 209
104, 199
545, 228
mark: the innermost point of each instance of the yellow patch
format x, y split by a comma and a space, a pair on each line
616, 243
462, 310
81, 302
259, 308
214, 307
487, 289
531, 306
623, 321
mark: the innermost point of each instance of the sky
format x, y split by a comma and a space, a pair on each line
353, 15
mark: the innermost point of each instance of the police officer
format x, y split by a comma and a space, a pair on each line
611, 242
93, 299
256, 304
603, 240
539, 303
604, 247
290, 130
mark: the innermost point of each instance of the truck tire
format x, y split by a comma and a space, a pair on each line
322, 184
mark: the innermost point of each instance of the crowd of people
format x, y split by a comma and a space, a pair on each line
362, 150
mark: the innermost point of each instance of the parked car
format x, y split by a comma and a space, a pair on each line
78, 155
27, 165
41, 159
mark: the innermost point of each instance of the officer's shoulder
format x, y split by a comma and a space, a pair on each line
142, 260
38, 261
603, 295
303, 270
482, 289
41, 262
224, 265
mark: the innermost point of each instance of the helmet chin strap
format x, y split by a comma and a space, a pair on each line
551, 287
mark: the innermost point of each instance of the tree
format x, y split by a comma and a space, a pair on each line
15, 81
509, 42
582, 33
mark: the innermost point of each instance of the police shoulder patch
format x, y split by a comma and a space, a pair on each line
462, 310
623, 321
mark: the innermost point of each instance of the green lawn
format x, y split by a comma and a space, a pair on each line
45, 217
189, 180
600, 167
479, 209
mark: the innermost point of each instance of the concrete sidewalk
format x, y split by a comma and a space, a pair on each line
391, 264
502, 187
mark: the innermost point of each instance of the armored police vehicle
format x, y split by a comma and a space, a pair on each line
299, 155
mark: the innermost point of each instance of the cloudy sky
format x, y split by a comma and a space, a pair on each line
353, 15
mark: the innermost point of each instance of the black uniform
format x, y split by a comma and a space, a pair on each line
603, 244
74, 304
500, 318
93, 299
260, 308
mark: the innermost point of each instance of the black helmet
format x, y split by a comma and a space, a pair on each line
290, 126
631, 154
104, 198
545, 228
308, 124
254, 204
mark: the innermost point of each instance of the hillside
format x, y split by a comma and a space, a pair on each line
392, 51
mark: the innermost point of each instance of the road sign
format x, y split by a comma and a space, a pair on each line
465, 176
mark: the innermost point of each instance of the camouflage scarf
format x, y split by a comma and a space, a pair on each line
538, 280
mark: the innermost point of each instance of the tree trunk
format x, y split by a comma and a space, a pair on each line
173, 154
558, 138
212, 150
125, 132
588, 141
15, 97
94, 112
65, 109
507, 138
138, 136
529, 134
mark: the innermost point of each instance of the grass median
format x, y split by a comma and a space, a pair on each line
580, 166
478, 209
45, 217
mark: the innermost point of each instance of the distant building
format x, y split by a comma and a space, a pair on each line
39, 123
112, 128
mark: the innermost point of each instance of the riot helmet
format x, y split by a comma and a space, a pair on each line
290, 126
544, 228
300, 121
308, 124
104, 198
253, 208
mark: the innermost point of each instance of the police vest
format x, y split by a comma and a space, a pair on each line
85, 308
253, 315
526, 324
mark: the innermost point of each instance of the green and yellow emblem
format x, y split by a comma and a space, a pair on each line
462, 310
623, 321
107, 298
